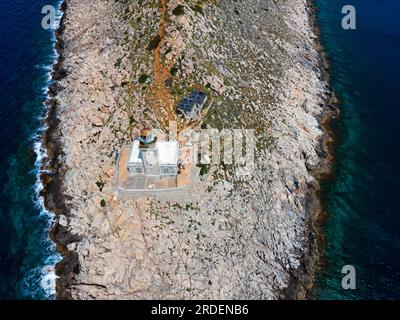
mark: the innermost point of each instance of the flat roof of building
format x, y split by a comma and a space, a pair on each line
168, 152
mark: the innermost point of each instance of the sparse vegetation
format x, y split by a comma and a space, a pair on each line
100, 184
117, 63
203, 221
204, 169
132, 121
154, 43
173, 71
198, 7
142, 78
179, 10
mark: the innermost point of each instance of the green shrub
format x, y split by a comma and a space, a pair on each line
204, 169
198, 7
154, 43
179, 10
118, 63
102, 203
173, 71
132, 120
100, 184
142, 78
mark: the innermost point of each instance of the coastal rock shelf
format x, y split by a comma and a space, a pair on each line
261, 63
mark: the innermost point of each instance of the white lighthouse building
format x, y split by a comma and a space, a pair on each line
152, 158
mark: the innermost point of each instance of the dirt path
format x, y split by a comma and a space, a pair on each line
159, 97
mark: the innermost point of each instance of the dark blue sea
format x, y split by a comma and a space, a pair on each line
27, 256
363, 199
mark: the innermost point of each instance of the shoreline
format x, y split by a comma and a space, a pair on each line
52, 183
301, 282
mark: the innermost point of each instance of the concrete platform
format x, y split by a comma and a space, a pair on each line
126, 182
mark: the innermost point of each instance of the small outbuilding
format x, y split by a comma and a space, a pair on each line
192, 105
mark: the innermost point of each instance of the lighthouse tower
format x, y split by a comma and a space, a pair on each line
147, 137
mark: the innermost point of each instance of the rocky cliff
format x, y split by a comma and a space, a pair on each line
124, 63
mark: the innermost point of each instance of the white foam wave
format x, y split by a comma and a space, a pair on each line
46, 273
48, 281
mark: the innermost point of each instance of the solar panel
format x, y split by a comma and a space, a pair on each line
186, 106
187, 103
198, 96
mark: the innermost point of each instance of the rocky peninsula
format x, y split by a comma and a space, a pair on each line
124, 63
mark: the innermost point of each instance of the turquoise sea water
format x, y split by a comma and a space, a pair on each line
363, 200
